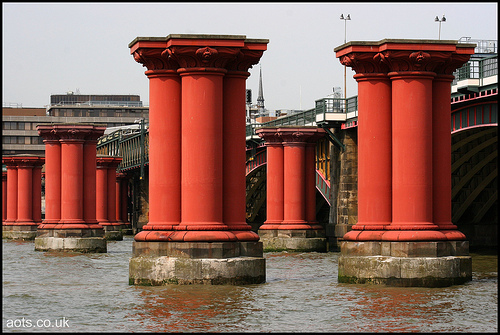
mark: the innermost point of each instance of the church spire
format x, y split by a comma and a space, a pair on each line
260, 98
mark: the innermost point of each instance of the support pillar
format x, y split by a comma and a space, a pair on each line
121, 203
234, 159
275, 178
69, 226
441, 156
412, 246
11, 191
4, 196
197, 231
374, 157
52, 176
106, 197
25, 208
291, 190
164, 143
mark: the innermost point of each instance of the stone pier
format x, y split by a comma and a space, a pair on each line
22, 196
197, 231
291, 190
70, 189
404, 235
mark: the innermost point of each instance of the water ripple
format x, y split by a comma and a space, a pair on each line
301, 294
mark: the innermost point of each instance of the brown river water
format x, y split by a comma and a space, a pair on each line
73, 292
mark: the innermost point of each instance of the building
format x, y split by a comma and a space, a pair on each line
19, 134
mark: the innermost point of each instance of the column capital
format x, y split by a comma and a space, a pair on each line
404, 55
189, 57
104, 161
47, 132
299, 134
270, 135
155, 59
70, 131
23, 160
364, 62
247, 58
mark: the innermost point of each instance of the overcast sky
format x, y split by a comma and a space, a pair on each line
52, 48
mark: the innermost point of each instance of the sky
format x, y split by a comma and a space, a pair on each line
53, 48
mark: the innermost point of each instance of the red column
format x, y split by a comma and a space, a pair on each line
122, 197
37, 191
412, 156
275, 177
201, 183
189, 112
374, 156
119, 197
4, 196
111, 185
70, 175
89, 176
294, 182
310, 184
415, 99
441, 156
24, 193
165, 149
164, 140
11, 191
102, 190
234, 158
52, 176
72, 180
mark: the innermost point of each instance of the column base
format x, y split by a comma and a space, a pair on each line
113, 232
208, 263
19, 232
405, 264
300, 240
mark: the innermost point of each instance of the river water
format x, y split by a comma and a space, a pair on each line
72, 292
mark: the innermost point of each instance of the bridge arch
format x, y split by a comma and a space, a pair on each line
474, 183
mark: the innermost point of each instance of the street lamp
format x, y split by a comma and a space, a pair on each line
345, 34
438, 20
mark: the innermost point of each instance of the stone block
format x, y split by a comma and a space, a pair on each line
251, 249
19, 235
405, 271
298, 244
163, 270
357, 248
187, 249
267, 233
414, 249
71, 244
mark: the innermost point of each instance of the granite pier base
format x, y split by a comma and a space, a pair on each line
210, 263
72, 240
405, 264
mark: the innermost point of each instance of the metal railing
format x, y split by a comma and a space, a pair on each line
133, 147
477, 69
308, 117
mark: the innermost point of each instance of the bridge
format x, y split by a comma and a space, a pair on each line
474, 153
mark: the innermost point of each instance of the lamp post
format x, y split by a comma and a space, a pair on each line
443, 19
345, 34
